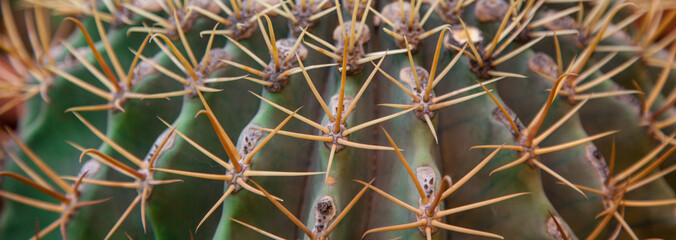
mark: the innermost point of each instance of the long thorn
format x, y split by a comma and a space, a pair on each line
218, 203
470, 174
411, 174
41, 164
286, 212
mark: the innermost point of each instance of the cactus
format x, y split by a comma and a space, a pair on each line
255, 119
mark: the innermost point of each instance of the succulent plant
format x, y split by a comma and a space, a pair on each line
320, 119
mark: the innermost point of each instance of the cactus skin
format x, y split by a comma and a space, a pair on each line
576, 164
634, 136
346, 194
185, 157
460, 123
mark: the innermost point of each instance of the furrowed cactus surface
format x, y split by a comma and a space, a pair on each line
351, 119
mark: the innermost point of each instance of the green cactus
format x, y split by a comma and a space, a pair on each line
254, 119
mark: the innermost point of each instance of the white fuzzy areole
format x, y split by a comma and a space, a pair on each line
428, 180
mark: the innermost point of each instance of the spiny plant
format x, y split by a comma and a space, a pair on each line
147, 119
